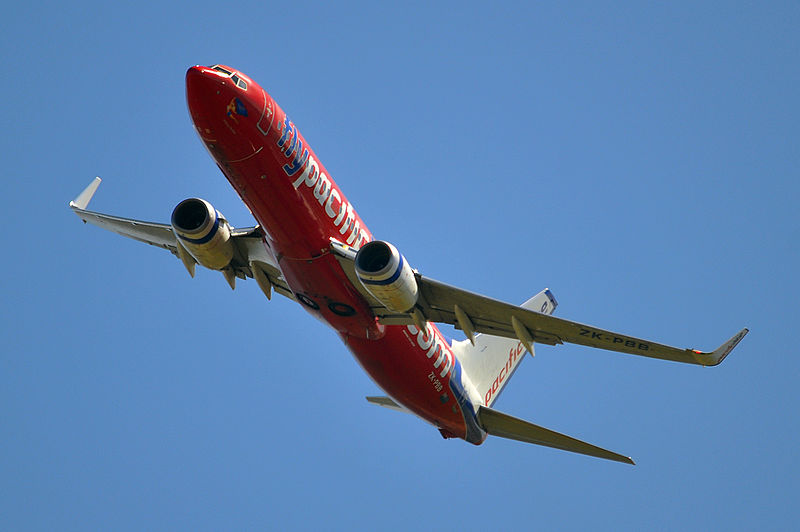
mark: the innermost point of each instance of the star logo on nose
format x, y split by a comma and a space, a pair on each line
236, 107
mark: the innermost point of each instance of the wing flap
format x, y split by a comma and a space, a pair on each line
489, 316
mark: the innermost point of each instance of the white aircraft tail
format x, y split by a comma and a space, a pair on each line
490, 363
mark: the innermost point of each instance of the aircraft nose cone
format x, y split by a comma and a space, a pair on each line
221, 111
205, 98
201, 85
194, 72
198, 73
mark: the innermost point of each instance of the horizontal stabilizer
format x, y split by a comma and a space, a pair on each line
499, 424
386, 402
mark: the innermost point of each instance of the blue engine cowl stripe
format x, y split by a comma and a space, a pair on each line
390, 280
211, 234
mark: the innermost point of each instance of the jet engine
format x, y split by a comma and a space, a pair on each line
203, 232
386, 275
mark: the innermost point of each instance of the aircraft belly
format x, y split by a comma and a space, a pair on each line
406, 374
323, 289
299, 230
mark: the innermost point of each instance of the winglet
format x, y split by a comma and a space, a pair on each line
718, 355
83, 199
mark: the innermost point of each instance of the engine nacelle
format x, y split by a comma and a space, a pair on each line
203, 232
386, 275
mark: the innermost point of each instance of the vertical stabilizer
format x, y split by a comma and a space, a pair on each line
490, 363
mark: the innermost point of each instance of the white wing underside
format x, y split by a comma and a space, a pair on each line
250, 248
438, 302
442, 303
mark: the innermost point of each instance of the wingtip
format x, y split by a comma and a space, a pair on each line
718, 355
725, 349
83, 199
621, 458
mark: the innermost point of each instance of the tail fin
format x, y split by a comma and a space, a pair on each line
490, 363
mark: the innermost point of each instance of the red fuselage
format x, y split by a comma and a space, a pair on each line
300, 208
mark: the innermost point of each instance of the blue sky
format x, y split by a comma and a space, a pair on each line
640, 160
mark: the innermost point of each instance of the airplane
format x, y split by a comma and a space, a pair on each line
311, 246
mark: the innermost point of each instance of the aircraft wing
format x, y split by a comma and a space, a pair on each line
475, 313
250, 251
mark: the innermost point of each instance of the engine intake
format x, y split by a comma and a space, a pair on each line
203, 232
386, 275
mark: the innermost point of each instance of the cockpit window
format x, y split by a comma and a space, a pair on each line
220, 69
239, 82
242, 84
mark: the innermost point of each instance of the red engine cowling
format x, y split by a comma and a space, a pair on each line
203, 232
